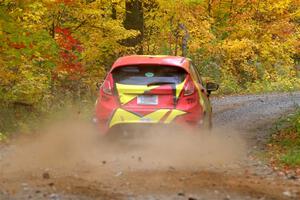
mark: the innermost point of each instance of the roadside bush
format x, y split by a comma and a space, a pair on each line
230, 86
282, 84
2, 136
19, 118
284, 148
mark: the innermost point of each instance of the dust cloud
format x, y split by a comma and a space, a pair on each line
75, 144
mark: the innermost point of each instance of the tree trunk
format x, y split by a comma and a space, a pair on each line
185, 38
113, 11
134, 19
209, 7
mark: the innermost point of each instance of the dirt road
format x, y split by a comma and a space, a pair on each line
68, 161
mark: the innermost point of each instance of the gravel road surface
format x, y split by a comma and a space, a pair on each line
68, 161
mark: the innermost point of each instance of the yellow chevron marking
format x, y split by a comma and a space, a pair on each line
173, 115
123, 116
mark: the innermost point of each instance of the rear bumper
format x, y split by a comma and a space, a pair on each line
162, 117
143, 130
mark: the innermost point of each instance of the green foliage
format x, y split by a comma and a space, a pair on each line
285, 143
282, 84
2, 136
292, 158
230, 86
28, 55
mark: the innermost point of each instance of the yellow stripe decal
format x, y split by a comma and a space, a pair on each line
179, 88
173, 115
201, 100
129, 92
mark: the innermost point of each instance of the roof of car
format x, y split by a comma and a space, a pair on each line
176, 61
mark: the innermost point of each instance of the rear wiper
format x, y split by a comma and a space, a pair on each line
159, 83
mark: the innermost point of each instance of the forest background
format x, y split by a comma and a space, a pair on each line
53, 52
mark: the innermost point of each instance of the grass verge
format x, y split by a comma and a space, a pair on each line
284, 147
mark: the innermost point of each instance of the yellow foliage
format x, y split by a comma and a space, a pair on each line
239, 56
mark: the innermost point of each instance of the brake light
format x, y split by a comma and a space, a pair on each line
106, 88
189, 88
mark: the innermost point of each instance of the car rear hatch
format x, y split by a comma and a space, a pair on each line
148, 87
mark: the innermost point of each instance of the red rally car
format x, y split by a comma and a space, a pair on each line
153, 90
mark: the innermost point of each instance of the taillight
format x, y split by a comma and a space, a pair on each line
107, 88
189, 88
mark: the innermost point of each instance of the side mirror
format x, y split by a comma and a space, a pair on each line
211, 87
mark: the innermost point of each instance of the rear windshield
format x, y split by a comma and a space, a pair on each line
147, 75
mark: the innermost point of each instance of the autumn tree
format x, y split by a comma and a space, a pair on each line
28, 53
65, 46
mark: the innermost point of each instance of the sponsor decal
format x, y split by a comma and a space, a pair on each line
149, 74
